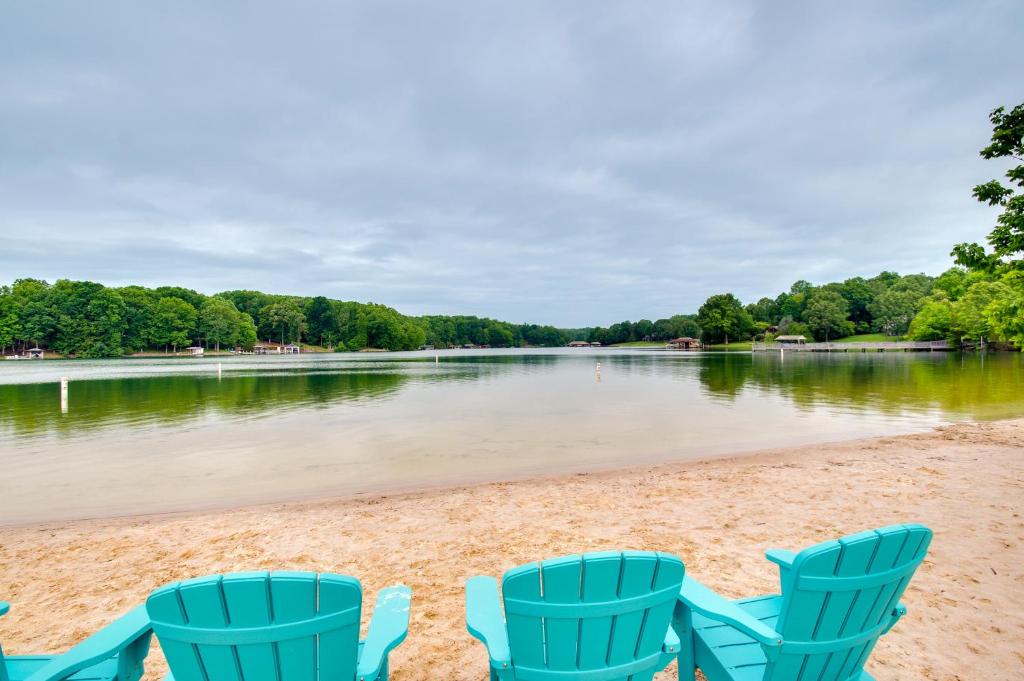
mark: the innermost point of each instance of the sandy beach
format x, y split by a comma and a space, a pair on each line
966, 605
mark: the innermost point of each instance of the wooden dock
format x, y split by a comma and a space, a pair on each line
877, 346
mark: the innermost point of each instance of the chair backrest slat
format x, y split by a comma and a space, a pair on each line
828, 633
260, 626
600, 585
613, 610
203, 601
248, 601
293, 596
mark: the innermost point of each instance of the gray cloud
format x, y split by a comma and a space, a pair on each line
572, 163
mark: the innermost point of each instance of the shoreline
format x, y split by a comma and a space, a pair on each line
966, 605
397, 491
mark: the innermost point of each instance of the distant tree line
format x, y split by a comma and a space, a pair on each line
677, 326
87, 319
963, 305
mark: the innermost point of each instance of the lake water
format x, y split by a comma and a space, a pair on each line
158, 435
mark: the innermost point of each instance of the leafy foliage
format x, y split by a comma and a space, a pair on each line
826, 315
723, 317
1007, 238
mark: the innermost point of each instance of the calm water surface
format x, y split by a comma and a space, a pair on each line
145, 436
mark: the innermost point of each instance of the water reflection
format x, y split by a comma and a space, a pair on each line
956, 385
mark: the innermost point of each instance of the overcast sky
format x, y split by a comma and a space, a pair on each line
573, 163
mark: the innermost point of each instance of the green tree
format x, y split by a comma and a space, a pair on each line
191, 297
219, 322
953, 282
643, 329
969, 319
722, 317
934, 321
765, 310
881, 282
174, 322
139, 317
246, 332
1005, 313
322, 320
792, 304
676, 326
9, 326
251, 303
894, 309
284, 319
859, 295
37, 321
1007, 238
826, 315
89, 319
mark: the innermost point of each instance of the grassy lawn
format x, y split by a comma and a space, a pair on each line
736, 345
868, 338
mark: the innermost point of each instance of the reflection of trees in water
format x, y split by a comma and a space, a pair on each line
889, 382
958, 384
725, 375
34, 408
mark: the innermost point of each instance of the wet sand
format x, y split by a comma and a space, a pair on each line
966, 605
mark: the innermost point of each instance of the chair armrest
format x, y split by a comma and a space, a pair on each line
703, 600
781, 557
105, 643
485, 621
389, 626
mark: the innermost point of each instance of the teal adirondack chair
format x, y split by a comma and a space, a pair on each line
837, 599
276, 626
114, 653
596, 617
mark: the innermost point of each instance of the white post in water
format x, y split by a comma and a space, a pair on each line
63, 394
437, 359
218, 369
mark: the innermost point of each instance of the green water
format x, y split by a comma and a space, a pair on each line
144, 436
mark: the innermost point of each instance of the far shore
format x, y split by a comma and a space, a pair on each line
966, 605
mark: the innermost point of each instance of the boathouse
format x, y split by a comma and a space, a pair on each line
579, 344
35, 353
791, 340
684, 343
291, 349
195, 350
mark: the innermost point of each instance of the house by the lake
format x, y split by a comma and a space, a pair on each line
791, 340
579, 344
684, 343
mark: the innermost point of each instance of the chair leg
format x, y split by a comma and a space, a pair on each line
682, 621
